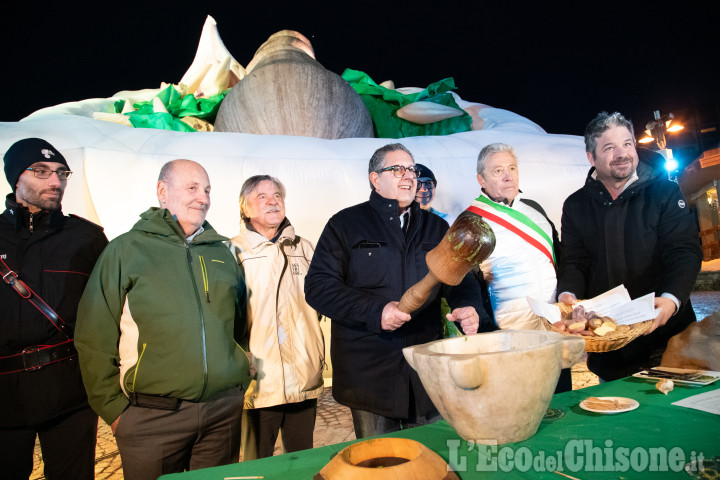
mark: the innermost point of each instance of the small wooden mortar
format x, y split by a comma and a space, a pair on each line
467, 243
386, 459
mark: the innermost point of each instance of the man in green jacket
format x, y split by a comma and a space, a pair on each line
157, 333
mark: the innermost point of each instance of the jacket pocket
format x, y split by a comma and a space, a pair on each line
369, 266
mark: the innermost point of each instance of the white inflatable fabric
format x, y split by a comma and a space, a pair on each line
116, 167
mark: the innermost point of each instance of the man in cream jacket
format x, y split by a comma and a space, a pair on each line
285, 337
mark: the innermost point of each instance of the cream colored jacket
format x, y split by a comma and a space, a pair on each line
285, 337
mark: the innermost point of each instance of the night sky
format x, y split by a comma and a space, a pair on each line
556, 66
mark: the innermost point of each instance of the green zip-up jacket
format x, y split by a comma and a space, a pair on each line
161, 316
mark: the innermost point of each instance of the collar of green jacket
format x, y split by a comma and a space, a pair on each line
159, 221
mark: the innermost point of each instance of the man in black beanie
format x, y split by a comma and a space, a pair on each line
45, 260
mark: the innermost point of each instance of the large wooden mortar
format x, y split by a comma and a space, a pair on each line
468, 242
287, 92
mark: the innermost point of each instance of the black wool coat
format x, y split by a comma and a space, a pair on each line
362, 262
645, 239
55, 259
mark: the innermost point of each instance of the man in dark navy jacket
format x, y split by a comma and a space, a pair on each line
629, 225
366, 258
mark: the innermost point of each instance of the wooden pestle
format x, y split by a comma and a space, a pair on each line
468, 242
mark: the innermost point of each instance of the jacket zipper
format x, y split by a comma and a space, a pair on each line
205, 278
202, 318
277, 317
137, 367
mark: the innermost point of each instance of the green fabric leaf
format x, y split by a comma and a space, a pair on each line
162, 121
383, 103
118, 106
177, 107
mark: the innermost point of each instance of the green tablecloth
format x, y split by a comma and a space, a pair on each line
654, 441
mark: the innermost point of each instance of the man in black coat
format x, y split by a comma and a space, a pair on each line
368, 255
629, 225
41, 392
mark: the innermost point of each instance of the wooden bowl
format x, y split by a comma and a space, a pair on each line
386, 459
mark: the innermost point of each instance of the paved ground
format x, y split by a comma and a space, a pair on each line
334, 424
705, 303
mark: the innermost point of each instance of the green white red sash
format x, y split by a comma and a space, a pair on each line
516, 222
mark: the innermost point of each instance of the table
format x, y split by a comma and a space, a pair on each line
654, 441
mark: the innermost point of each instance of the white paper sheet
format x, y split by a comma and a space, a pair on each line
545, 310
614, 303
638, 310
607, 301
705, 402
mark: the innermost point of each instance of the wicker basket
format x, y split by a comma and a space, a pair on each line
608, 343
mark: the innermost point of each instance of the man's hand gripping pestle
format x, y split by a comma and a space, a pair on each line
467, 243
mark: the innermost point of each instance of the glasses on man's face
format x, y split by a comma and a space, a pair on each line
399, 170
42, 172
428, 184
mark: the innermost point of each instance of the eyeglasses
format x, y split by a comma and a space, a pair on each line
399, 170
429, 184
41, 172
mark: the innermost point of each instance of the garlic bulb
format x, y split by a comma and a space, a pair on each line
665, 385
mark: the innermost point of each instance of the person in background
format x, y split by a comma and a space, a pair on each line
159, 332
426, 190
368, 255
524, 261
286, 342
630, 225
41, 391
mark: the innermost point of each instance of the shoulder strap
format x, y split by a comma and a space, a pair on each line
11, 278
556, 237
536, 206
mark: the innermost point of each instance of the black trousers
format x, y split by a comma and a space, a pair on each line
565, 381
296, 420
67, 443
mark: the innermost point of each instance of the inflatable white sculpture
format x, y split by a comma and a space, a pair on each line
117, 166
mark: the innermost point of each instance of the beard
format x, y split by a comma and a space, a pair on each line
622, 168
36, 198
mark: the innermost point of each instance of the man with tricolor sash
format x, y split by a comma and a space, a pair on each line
524, 260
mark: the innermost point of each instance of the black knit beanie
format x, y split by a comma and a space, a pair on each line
24, 153
424, 171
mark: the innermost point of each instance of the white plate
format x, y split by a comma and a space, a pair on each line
625, 405
705, 377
